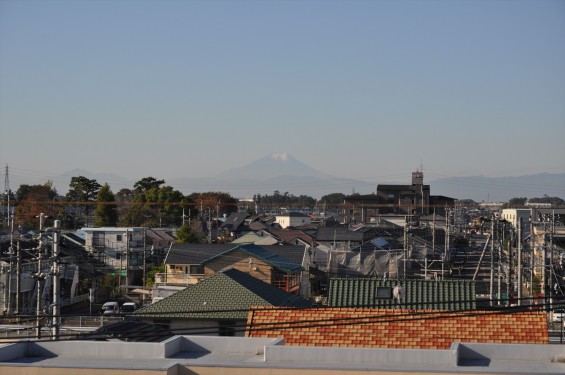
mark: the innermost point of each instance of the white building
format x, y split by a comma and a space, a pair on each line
513, 215
292, 219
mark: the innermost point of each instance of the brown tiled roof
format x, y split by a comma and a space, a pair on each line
388, 328
287, 235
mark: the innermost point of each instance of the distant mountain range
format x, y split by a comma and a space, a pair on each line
281, 172
276, 172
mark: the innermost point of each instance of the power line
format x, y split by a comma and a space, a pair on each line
309, 323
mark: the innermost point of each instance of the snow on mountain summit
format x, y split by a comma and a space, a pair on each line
282, 156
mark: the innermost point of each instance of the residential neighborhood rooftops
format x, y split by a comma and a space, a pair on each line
226, 295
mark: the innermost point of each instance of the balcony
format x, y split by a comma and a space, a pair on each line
176, 279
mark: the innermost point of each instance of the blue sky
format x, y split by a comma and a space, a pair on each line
358, 89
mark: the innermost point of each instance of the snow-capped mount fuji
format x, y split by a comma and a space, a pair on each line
272, 166
278, 171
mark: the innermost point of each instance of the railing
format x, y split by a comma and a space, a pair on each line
287, 283
176, 279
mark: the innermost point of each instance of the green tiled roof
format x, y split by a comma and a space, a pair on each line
225, 296
262, 254
418, 294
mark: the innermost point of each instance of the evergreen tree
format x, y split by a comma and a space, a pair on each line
106, 214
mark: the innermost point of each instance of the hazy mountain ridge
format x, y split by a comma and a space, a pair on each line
282, 172
501, 189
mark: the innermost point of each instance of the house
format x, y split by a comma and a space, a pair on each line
292, 237
233, 225
123, 249
183, 263
440, 203
218, 305
396, 328
454, 295
260, 263
260, 238
345, 236
292, 219
187, 264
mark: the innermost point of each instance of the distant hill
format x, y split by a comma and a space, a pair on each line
500, 189
282, 172
278, 171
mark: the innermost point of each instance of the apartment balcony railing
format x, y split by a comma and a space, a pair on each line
176, 279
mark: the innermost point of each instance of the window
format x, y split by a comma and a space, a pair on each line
383, 292
196, 270
119, 237
227, 328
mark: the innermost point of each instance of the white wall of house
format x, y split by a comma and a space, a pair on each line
286, 221
513, 214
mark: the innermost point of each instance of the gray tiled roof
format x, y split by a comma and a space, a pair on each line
227, 295
264, 255
194, 253
418, 294
199, 254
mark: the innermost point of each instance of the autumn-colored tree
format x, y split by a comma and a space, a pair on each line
34, 200
213, 203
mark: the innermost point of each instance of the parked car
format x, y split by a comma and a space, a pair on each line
110, 308
128, 307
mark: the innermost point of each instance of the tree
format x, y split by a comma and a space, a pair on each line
106, 214
150, 275
147, 183
517, 202
83, 190
334, 198
554, 201
211, 201
33, 200
187, 234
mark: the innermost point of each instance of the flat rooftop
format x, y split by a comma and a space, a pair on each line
204, 354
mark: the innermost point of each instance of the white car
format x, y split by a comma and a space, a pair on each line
110, 308
128, 307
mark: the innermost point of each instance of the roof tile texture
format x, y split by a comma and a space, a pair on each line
394, 328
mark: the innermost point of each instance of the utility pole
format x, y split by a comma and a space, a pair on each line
39, 276
499, 293
532, 257
405, 244
18, 278
519, 261
492, 263
8, 193
552, 230
509, 268
10, 264
56, 312
145, 251
127, 260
